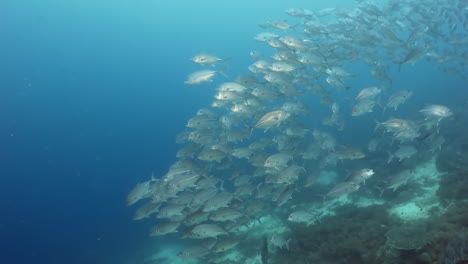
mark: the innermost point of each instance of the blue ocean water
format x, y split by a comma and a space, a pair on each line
92, 98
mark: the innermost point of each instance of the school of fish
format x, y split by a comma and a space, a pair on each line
265, 138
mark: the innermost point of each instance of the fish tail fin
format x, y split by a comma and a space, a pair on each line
294, 27
377, 124
381, 191
221, 186
251, 129
223, 73
399, 66
390, 157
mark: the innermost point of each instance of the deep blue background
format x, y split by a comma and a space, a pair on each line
91, 99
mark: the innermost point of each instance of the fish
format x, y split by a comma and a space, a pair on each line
265, 93
277, 78
208, 231
207, 59
349, 154
196, 218
399, 179
220, 200
290, 174
299, 12
281, 67
256, 55
146, 210
402, 153
231, 181
141, 191
225, 244
293, 42
342, 189
363, 107
212, 155
278, 161
295, 107
194, 252
338, 73
280, 241
412, 56
360, 176
436, 111
170, 210
229, 96
336, 83
397, 99
303, 216
225, 214
272, 119
262, 64
285, 195
281, 24
202, 76
232, 87
242, 153
369, 93
164, 228
265, 36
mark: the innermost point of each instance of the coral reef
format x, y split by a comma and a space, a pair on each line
456, 251
453, 160
408, 236
353, 235
372, 235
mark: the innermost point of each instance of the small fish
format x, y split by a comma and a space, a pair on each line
399, 179
225, 244
281, 24
303, 216
281, 67
360, 176
207, 231
164, 228
272, 119
194, 252
336, 83
202, 76
397, 99
225, 214
146, 210
436, 111
412, 56
368, 93
141, 191
363, 107
403, 152
280, 241
278, 161
206, 59
265, 36
341, 189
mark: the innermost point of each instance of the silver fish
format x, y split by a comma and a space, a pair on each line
208, 230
